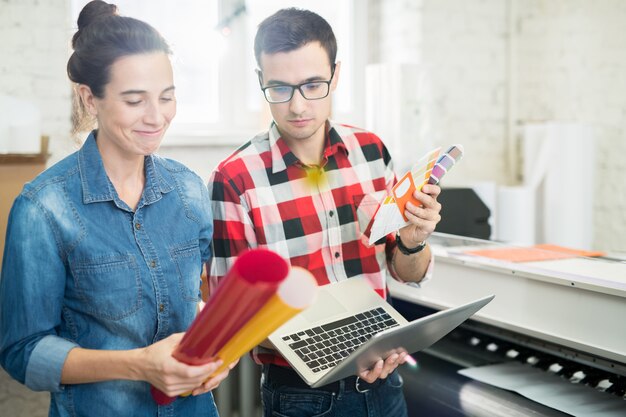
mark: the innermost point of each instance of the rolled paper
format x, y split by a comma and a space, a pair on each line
252, 280
297, 292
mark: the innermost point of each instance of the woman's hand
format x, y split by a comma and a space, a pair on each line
213, 382
172, 377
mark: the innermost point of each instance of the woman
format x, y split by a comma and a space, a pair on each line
104, 250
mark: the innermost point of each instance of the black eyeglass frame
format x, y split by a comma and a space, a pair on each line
294, 86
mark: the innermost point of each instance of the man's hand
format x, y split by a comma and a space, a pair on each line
424, 218
382, 369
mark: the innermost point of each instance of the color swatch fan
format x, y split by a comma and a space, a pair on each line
430, 168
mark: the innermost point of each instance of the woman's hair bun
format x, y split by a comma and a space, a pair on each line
94, 10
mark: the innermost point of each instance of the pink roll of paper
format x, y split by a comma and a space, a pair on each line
253, 279
297, 292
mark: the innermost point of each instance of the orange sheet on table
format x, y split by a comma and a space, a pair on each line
541, 252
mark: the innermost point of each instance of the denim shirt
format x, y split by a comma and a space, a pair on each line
81, 268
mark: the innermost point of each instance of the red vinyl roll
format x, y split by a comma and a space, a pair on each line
253, 279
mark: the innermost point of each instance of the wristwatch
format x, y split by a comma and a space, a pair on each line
409, 251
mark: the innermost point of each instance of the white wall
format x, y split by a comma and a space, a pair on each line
461, 51
572, 67
568, 64
35, 38
570, 61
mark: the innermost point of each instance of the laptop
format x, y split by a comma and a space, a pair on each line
350, 327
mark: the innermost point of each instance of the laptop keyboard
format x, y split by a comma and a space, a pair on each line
324, 346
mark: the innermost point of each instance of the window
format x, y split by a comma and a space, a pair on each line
217, 89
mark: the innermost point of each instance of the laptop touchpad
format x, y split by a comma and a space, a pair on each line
325, 306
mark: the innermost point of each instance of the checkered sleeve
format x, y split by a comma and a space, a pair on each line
233, 228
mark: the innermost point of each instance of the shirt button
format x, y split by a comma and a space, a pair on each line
332, 213
337, 255
161, 308
137, 226
152, 264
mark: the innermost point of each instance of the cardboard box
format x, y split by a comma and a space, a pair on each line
15, 171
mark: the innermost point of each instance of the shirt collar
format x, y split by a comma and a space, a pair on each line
158, 181
282, 156
95, 181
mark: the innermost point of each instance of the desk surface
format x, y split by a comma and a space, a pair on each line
576, 302
596, 274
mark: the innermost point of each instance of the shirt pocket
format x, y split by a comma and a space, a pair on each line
186, 257
110, 285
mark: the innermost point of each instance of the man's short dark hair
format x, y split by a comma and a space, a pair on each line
291, 28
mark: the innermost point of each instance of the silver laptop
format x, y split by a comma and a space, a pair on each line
350, 327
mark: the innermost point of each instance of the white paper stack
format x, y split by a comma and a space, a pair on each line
20, 126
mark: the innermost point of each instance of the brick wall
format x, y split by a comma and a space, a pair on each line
570, 61
34, 51
572, 66
568, 65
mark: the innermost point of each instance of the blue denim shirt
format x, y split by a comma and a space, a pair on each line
82, 269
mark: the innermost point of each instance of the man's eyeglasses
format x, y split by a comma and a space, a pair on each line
282, 93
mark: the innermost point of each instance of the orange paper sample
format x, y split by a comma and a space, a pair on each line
542, 252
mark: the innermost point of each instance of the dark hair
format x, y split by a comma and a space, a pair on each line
103, 37
291, 28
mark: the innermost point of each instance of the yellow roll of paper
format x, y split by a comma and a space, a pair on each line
296, 293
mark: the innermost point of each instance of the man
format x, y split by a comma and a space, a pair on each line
301, 189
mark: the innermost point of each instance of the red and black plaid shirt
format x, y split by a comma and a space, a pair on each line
263, 196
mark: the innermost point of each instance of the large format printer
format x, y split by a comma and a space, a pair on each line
563, 319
